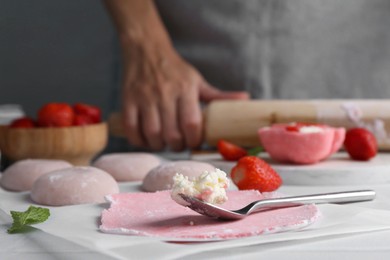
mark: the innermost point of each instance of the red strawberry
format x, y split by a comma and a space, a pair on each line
230, 151
295, 127
93, 112
80, 120
23, 122
292, 128
252, 173
56, 115
360, 144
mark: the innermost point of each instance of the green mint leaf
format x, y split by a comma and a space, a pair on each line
33, 215
255, 151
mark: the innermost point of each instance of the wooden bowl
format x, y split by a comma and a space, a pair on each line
77, 144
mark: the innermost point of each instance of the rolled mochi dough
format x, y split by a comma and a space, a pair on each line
127, 166
161, 177
75, 185
21, 175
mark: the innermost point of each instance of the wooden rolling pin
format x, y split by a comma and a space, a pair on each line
238, 121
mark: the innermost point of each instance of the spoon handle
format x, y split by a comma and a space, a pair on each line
335, 197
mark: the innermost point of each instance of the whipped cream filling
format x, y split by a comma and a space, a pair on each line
310, 129
209, 187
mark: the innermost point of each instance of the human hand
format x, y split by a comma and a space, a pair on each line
161, 92
161, 98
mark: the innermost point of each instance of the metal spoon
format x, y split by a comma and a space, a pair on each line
214, 211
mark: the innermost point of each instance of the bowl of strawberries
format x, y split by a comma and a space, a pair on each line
75, 133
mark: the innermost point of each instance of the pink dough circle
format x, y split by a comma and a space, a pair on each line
127, 166
157, 215
75, 185
301, 148
21, 175
161, 177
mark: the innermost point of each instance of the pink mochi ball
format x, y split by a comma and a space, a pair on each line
72, 186
301, 143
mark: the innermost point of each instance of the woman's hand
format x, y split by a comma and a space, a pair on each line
161, 98
161, 92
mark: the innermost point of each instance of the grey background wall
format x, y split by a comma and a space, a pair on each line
53, 50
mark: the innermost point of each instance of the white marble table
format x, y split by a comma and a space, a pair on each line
353, 231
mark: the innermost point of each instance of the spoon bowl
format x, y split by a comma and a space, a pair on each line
214, 211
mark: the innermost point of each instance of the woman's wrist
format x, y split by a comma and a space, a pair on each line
138, 23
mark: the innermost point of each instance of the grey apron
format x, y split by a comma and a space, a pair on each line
292, 49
